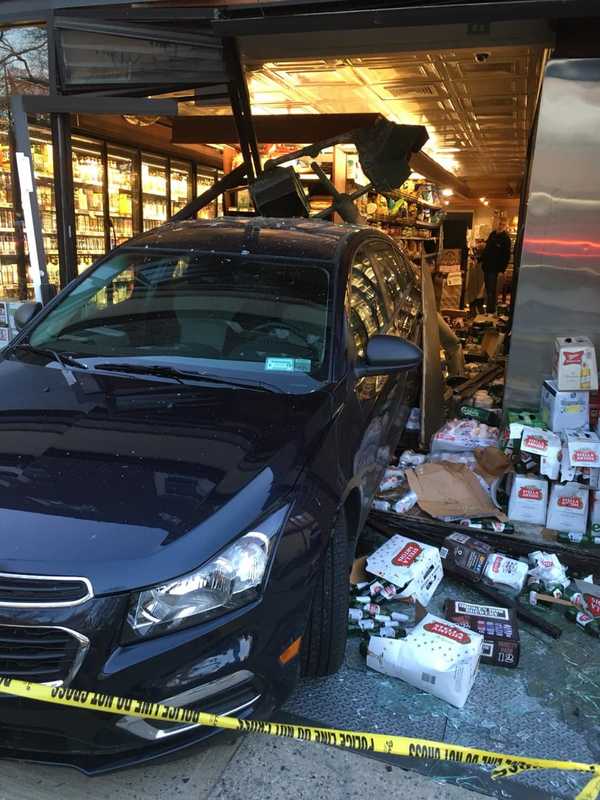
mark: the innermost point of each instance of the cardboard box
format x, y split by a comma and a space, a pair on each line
528, 500
540, 442
568, 508
574, 366
450, 491
594, 401
564, 410
583, 448
590, 596
497, 625
464, 555
436, 656
415, 568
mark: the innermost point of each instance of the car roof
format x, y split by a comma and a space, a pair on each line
285, 238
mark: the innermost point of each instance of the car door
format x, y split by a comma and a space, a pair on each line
401, 279
369, 310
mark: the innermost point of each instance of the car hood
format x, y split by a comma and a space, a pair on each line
130, 481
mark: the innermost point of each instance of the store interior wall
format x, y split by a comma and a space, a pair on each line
559, 280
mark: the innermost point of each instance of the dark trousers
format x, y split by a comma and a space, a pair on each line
491, 290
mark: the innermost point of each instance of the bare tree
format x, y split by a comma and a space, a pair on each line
24, 60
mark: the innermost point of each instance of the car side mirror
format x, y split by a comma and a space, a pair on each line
388, 354
25, 313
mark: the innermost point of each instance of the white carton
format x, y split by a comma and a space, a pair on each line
528, 500
437, 656
506, 571
540, 442
562, 410
574, 366
583, 448
568, 508
415, 568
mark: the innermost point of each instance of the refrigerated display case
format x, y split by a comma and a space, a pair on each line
43, 168
204, 180
88, 187
181, 185
123, 181
154, 191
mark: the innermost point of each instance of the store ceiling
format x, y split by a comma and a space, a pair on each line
478, 114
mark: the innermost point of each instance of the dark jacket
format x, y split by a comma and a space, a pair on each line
496, 253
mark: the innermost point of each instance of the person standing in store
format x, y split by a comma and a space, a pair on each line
494, 260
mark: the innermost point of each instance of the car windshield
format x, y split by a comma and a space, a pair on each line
218, 313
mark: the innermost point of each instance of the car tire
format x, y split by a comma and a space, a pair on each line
324, 641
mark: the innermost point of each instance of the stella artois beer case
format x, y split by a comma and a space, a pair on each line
415, 568
574, 366
437, 656
563, 411
528, 499
568, 508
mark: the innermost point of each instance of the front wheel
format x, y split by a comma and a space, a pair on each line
324, 641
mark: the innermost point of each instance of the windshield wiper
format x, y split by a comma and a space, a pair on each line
181, 375
64, 359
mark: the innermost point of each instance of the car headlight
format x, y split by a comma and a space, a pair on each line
230, 580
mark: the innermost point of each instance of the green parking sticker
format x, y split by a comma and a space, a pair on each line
287, 364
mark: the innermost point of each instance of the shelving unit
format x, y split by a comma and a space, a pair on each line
402, 214
181, 185
155, 191
43, 167
88, 179
122, 195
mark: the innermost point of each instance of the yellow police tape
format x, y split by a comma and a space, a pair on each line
504, 765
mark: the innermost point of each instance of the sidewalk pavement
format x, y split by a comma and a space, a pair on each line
234, 767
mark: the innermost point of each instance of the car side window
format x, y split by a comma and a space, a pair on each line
393, 271
367, 312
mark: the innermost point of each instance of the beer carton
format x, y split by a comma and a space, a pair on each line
464, 555
415, 568
528, 499
437, 657
583, 448
568, 508
497, 625
574, 366
564, 410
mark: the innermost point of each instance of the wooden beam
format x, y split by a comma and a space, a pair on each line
270, 129
300, 129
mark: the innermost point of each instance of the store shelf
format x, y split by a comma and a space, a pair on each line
155, 194
413, 199
93, 184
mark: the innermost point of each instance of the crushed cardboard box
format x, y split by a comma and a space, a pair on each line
450, 491
464, 556
415, 568
436, 656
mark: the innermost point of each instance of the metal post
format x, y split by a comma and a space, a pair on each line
63, 196
18, 215
240, 105
31, 211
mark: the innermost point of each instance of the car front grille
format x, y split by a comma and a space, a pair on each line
42, 591
41, 654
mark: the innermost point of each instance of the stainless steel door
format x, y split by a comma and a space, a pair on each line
559, 283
